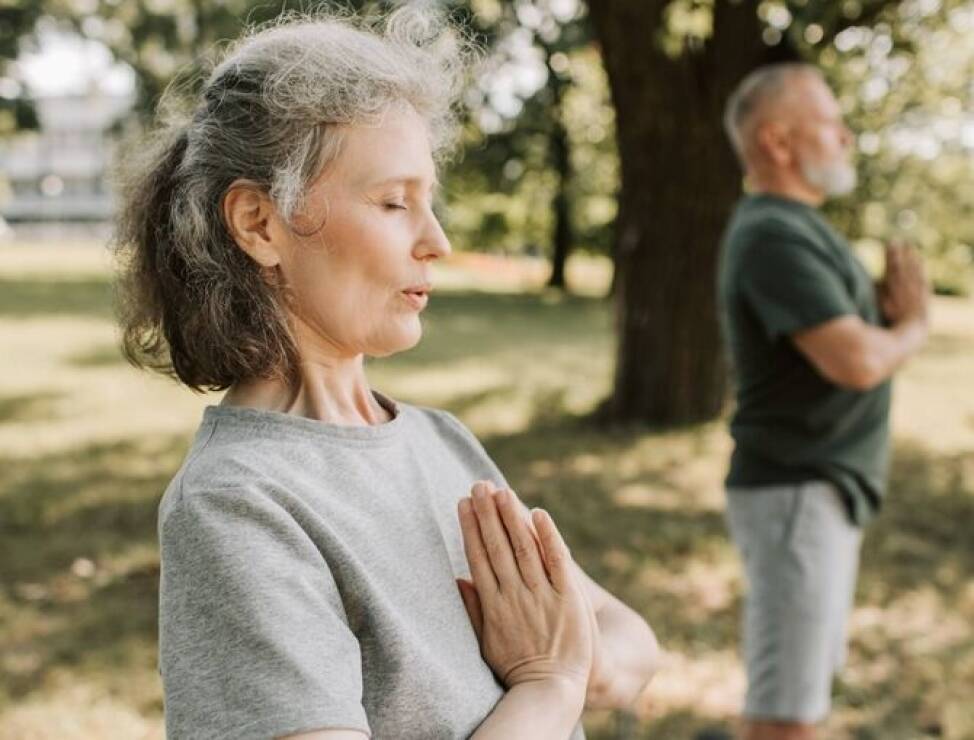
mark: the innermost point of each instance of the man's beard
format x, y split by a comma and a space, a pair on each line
835, 178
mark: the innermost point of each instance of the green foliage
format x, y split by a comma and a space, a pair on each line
17, 21
902, 70
905, 83
501, 192
17, 18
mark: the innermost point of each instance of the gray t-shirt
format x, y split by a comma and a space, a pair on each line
308, 579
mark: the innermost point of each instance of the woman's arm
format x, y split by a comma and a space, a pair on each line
548, 708
627, 653
327, 735
539, 709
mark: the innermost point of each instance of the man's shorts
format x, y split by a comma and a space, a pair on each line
801, 556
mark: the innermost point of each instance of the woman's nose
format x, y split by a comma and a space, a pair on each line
434, 243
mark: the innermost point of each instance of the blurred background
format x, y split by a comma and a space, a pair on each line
585, 209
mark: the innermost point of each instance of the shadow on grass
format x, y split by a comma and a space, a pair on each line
945, 346
80, 569
30, 407
101, 356
571, 467
918, 569
25, 297
459, 325
906, 672
921, 537
469, 325
99, 504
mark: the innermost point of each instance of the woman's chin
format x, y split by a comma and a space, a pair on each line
404, 340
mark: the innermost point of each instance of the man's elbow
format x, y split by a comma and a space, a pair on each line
859, 373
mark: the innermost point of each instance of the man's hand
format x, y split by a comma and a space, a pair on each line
903, 292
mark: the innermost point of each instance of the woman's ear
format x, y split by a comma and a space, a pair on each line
251, 219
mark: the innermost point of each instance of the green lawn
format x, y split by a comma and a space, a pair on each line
87, 445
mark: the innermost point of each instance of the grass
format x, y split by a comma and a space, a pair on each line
88, 444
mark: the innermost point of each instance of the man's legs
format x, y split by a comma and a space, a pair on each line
800, 555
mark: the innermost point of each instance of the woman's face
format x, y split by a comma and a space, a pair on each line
357, 263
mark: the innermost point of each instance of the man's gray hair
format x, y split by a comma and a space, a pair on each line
752, 93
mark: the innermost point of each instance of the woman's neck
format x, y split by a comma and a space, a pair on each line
332, 391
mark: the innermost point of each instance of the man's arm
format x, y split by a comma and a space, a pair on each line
853, 354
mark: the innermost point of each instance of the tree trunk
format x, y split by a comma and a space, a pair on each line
562, 237
559, 156
679, 181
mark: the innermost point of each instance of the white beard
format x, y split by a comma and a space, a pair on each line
835, 178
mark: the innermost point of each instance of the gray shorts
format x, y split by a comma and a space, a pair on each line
801, 555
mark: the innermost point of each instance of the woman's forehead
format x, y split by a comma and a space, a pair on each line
394, 150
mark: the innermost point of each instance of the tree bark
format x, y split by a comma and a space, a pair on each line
679, 181
562, 236
559, 155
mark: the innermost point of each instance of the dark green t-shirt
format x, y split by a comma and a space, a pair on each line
784, 269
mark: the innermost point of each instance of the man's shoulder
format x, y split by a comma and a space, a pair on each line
760, 220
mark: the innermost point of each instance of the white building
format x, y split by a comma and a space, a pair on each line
60, 173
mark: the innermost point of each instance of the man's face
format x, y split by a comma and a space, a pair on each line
821, 142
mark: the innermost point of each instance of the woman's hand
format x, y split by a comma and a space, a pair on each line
526, 602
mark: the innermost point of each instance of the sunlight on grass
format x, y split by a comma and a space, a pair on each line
88, 445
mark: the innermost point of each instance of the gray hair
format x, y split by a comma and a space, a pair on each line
193, 305
752, 93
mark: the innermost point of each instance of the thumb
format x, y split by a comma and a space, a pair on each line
471, 601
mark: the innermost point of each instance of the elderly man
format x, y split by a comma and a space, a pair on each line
813, 344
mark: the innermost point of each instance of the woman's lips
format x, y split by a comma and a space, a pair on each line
417, 297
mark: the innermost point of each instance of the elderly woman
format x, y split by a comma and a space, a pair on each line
314, 538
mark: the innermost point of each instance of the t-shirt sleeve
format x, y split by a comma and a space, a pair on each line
254, 641
790, 284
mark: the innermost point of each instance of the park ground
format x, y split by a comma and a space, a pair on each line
87, 445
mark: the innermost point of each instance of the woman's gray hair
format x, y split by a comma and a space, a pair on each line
193, 304
763, 84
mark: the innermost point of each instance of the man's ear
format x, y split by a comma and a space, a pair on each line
772, 140
251, 219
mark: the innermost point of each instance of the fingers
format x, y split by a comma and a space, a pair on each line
523, 542
471, 602
903, 258
915, 262
894, 259
473, 546
556, 553
503, 547
494, 537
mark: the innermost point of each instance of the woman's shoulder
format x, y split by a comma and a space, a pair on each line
440, 423
431, 425
220, 459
